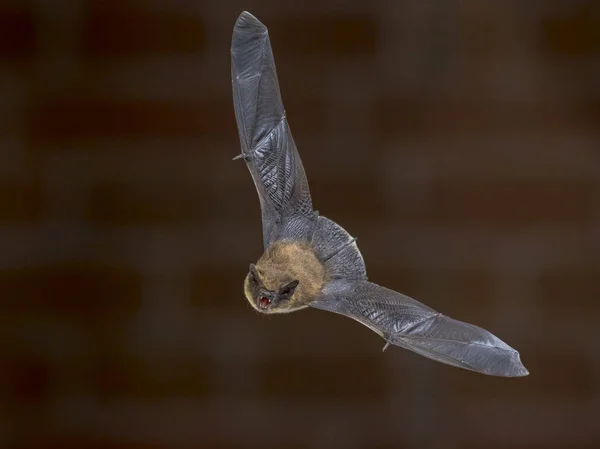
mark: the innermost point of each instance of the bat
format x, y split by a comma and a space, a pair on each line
311, 261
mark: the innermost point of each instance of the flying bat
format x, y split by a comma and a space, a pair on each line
311, 261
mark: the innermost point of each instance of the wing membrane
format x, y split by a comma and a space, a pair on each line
265, 136
407, 323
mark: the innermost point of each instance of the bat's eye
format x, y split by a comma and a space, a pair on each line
264, 302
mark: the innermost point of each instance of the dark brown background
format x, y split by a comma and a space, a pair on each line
458, 140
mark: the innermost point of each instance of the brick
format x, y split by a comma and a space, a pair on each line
511, 203
77, 442
70, 119
394, 445
561, 153
480, 30
341, 379
243, 445
527, 445
569, 290
466, 293
317, 333
123, 33
341, 200
93, 118
106, 372
118, 375
86, 293
552, 376
575, 33
306, 113
220, 288
324, 35
18, 35
398, 115
160, 204
592, 108
561, 422
21, 202
402, 277
29, 379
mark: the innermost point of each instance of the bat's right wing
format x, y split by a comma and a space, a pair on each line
405, 322
267, 143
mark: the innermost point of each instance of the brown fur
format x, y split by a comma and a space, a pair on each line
284, 262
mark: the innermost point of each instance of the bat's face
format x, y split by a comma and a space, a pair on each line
265, 300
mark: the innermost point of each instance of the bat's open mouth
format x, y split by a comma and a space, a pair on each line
264, 302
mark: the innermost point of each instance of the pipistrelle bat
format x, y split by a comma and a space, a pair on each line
311, 261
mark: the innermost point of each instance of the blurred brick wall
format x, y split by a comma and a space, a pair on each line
458, 140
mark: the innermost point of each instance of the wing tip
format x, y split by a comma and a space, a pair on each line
248, 22
249, 34
518, 369
513, 368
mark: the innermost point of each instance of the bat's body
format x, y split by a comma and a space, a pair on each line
309, 260
283, 263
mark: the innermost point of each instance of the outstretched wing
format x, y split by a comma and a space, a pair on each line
267, 143
405, 322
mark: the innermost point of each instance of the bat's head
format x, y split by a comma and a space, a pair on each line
266, 300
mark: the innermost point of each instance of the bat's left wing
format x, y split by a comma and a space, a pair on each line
405, 322
267, 143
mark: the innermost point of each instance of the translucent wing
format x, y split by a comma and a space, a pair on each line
266, 140
407, 323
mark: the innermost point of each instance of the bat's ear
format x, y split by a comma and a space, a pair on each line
288, 290
254, 273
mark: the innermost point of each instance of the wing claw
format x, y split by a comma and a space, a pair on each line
241, 156
387, 343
